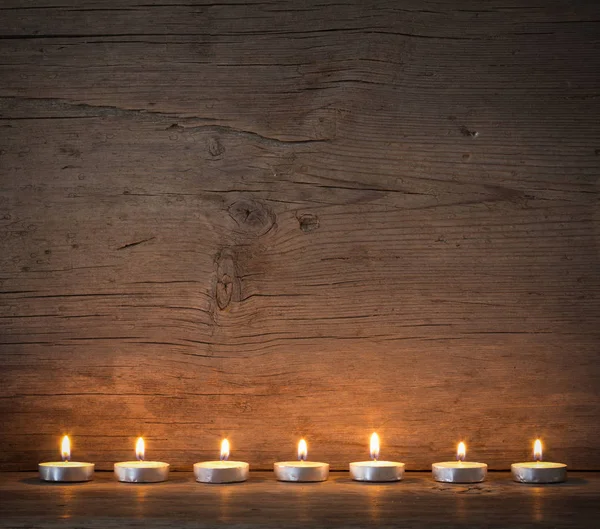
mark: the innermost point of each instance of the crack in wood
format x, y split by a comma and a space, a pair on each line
189, 122
301, 34
136, 243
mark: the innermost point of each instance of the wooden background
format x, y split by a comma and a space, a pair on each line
277, 219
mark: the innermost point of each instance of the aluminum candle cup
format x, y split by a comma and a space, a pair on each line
65, 470
301, 470
539, 471
459, 471
222, 471
141, 471
376, 470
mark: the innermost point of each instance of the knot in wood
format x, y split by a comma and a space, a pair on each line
468, 133
253, 217
227, 286
224, 291
308, 222
215, 147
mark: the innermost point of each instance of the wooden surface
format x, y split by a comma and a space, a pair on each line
263, 502
277, 219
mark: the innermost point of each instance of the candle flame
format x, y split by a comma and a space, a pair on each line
140, 448
537, 450
461, 452
374, 446
302, 450
224, 450
65, 448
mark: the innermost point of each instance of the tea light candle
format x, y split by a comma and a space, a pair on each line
376, 470
301, 470
222, 471
538, 471
66, 470
459, 471
141, 471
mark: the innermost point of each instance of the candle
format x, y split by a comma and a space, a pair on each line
538, 471
459, 471
376, 470
222, 471
66, 470
141, 471
301, 470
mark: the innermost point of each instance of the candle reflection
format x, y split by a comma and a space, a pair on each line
305, 514
461, 508
66, 495
537, 507
140, 502
225, 509
374, 502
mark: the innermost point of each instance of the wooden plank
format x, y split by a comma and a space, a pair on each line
263, 502
264, 221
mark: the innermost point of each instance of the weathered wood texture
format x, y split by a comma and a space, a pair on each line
281, 218
417, 501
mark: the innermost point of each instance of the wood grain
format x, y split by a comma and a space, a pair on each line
263, 502
269, 220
